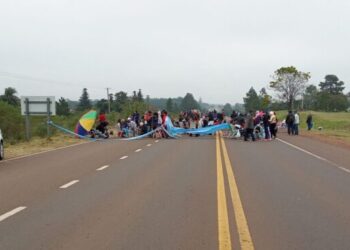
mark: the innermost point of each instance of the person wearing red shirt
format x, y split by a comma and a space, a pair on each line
102, 117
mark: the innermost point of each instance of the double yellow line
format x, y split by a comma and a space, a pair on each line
245, 238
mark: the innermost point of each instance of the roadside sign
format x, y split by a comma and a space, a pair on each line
38, 105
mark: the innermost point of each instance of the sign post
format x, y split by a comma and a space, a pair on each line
38, 106
48, 116
27, 120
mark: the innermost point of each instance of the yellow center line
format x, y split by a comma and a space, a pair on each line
245, 238
223, 224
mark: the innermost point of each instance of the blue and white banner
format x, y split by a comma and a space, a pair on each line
170, 130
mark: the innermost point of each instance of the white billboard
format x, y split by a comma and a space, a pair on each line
38, 105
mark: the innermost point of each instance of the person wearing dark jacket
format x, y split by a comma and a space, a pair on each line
309, 122
154, 121
290, 122
266, 118
249, 127
136, 118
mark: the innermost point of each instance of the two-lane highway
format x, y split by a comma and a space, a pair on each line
189, 193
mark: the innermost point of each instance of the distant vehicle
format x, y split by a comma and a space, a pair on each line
1, 147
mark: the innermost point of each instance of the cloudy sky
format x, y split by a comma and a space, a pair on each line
216, 50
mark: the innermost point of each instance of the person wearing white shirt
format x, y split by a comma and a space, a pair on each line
296, 123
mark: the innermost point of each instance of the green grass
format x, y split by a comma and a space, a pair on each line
334, 125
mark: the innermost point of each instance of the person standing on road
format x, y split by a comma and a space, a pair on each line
296, 123
273, 124
309, 122
290, 122
266, 118
249, 127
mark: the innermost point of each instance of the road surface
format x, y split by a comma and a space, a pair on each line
190, 193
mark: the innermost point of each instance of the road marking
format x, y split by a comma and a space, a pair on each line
245, 238
223, 224
156, 141
345, 169
102, 168
148, 145
316, 156
69, 184
138, 150
124, 157
10, 213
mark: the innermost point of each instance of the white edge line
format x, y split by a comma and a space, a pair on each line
69, 184
138, 150
345, 169
102, 168
303, 150
314, 155
43, 152
124, 157
10, 213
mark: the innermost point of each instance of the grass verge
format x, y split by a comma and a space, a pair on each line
37, 144
329, 127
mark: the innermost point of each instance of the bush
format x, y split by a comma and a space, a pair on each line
11, 122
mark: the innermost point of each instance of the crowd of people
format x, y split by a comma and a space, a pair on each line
262, 125
259, 125
137, 124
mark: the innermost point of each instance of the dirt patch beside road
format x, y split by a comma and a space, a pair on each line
37, 145
328, 139
326, 136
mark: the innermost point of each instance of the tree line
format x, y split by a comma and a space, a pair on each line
293, 92
119, 102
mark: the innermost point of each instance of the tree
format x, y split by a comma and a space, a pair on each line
265, 102
332, 85
310, 97
121, 99
239, 107
265, 99
140, 96
331, 97
62, 107
134, 97
170, 105
289, 83
176, 108
330, 102
12, 122
130, 107
227, 109
200, 103
84, 101
102, 105
189, 103
10, 97
251, 101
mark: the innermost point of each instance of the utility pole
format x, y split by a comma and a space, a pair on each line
109, 100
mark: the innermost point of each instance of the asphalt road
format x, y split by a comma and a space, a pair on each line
189, 193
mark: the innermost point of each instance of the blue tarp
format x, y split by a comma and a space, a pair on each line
196, 131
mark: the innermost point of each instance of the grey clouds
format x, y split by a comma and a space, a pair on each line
216, 50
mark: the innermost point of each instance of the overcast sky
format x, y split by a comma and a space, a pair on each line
216, 50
